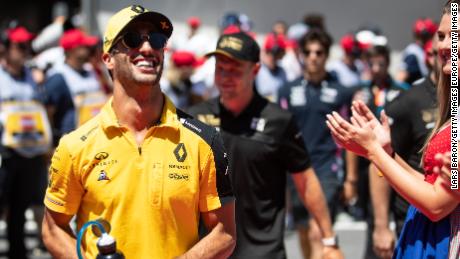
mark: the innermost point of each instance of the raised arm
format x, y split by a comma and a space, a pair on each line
432, 200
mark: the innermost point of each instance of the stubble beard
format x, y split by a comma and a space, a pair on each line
148, 79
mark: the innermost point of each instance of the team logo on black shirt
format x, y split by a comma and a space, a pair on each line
180, 152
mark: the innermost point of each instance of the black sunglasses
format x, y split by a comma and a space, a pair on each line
134, 40
318, 53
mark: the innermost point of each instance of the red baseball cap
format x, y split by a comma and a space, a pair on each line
425, 25
183, 58
272, 41
347, 42
194, 22
231, 29
19, 35
76, 38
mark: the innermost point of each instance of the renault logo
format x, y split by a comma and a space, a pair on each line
180, 152
101, 156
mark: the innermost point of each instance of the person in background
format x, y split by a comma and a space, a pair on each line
50, 35
413, 115
291, 62
413, 58
309, 97
271, 76
95, 63
350, 67
280, 28
263, 143
177, 84
379, 91
26, 138
195, 41
73, 92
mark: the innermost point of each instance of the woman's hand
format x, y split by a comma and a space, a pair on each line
381, 129
356, 136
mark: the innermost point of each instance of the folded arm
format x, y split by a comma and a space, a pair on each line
221, 240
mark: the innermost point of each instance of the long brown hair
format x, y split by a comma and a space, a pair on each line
443, 92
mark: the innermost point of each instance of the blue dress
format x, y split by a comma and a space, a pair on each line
420, 237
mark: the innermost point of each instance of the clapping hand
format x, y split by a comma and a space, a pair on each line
364, 131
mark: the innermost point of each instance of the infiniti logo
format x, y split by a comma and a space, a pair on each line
101, 156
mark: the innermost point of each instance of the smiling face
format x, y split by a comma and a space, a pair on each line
141, 66
444, 44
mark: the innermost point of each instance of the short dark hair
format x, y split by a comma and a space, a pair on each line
379, 50
316, 35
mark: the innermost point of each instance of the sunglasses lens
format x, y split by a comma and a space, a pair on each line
132, 40
157, 40
318, 53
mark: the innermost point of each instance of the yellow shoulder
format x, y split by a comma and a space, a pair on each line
78, 138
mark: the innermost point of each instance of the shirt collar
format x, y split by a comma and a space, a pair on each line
169, 118
254, 105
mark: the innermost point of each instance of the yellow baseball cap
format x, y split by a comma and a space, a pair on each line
125, 16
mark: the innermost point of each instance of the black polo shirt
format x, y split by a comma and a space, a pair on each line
263, 144
412, 117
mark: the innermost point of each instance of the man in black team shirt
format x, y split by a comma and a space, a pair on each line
412, 116
263, 143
